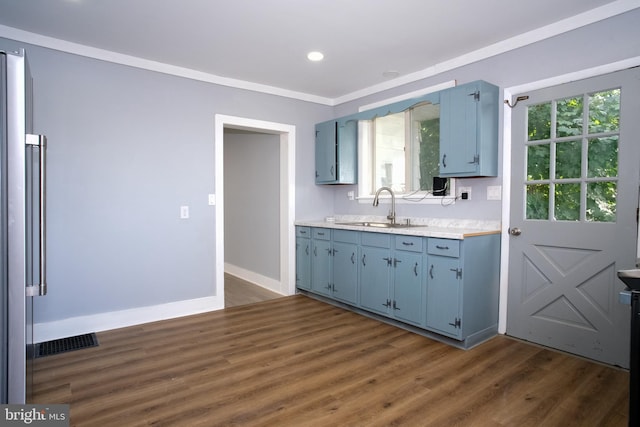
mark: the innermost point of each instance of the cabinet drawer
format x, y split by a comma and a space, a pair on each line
409, 243
303, 231
321, 233
345, 236
378, 240
444, 247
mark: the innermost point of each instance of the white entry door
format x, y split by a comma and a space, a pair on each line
573, 224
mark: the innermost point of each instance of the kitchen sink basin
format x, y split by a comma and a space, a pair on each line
380, 224
631, 278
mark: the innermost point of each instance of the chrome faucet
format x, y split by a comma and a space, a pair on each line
392, 214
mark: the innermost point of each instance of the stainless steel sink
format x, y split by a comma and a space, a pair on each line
379, 224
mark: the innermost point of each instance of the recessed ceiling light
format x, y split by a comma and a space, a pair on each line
315, 56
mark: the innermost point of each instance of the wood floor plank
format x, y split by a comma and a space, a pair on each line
295, 361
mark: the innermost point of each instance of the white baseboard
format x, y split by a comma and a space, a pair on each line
252, 277
119, 319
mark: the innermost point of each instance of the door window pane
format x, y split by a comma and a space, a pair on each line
567, 202
569, 117
603, 157
601, 201
578, 158
537, 201
538, 162
604, 111
568, 159
539, 121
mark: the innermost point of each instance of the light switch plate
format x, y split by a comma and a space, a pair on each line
184, 212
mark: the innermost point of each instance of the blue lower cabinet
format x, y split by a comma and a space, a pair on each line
345, 272
321, 268
463, 279
446, 286
443, 296
303, 263
303, 257
391, 279
407, 302
375, 277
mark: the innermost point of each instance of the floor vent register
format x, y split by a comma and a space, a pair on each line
62, 345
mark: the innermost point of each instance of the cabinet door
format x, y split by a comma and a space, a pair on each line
407, 289
347, 157
374, 279
321, 266
303, 263
458, 130
443, 295
326, 140
345, 271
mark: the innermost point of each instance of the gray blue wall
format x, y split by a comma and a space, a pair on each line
128, 147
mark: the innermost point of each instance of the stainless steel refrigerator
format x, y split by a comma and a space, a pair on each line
22, 224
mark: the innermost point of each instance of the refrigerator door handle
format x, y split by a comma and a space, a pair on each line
41, 142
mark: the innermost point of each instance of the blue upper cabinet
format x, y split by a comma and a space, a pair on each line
469, 130
468, 134
336, 152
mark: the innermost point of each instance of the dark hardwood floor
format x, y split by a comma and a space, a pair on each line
240, 292
295, 361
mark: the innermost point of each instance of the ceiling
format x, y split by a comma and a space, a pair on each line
262, 44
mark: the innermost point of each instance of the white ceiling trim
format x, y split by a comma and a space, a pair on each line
565, 25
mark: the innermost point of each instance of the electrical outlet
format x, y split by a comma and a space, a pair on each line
212, 199
464, 190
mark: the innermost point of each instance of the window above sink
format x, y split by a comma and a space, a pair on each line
401, 150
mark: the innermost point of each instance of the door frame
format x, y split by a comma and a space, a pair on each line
287, 196
509, 92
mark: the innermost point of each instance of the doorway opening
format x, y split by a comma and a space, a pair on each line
286, 142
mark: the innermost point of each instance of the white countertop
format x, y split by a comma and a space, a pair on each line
427, 227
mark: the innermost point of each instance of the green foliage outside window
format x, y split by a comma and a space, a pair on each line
599, 142
429, 152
